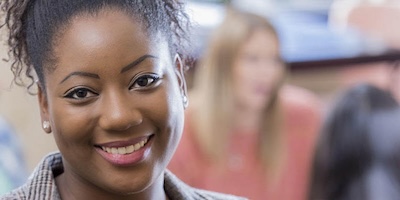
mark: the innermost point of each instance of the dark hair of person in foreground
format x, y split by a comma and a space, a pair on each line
358, 152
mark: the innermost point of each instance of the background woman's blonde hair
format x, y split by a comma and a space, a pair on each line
212, 118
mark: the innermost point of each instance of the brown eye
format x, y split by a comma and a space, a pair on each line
145, 81
80, 93
142, 82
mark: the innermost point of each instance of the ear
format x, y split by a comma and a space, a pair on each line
44, 109
180, 73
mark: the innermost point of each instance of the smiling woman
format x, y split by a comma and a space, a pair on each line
112, 92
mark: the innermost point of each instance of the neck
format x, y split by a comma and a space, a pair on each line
247, 120
74, 188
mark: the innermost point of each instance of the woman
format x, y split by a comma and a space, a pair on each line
112, 92
246, 132
357, 154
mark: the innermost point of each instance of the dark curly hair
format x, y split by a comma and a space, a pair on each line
34, 26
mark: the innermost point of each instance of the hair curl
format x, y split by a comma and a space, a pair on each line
33, 26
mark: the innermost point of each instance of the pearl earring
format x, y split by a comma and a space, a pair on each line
185, 101
46, 125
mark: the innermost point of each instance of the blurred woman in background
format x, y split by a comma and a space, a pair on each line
357, 154
246, 132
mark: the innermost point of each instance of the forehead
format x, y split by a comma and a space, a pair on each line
262, 35
93, 29
261, 39
108, 35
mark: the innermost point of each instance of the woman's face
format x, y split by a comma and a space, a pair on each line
257, 70
114, 102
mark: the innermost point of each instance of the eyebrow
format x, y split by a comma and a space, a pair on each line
126, 68
136, 62
87, 74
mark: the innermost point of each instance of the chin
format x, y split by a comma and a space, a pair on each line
126, 190
127, 187
258, 103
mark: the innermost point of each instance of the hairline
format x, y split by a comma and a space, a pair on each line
49, 63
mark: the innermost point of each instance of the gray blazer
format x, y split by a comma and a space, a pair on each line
41, 185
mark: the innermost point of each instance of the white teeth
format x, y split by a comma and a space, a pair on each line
121, 150
114, 150
130, 149
125, 150
137, 146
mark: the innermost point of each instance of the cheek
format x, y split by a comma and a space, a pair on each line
72, 125
174, 115
239, 75
243, 78
274, 75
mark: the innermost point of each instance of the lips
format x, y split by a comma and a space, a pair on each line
125, 149
261, 90
123, 153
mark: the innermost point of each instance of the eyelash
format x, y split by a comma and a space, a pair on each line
155, 78
72, 94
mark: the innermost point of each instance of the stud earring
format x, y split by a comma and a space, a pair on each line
46, 126
185, 101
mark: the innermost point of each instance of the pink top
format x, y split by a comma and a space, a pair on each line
243, 174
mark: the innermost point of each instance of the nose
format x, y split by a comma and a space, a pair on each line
119, 113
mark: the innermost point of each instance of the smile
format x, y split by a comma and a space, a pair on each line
126, 153
126, 149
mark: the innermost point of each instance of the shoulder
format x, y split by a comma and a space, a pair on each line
302, 109
18, 193
178, 190
41, 184
298, 98
299, 102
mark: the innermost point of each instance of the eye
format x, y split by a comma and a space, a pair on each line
145, 81
276, 61
250, 58
79, 93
